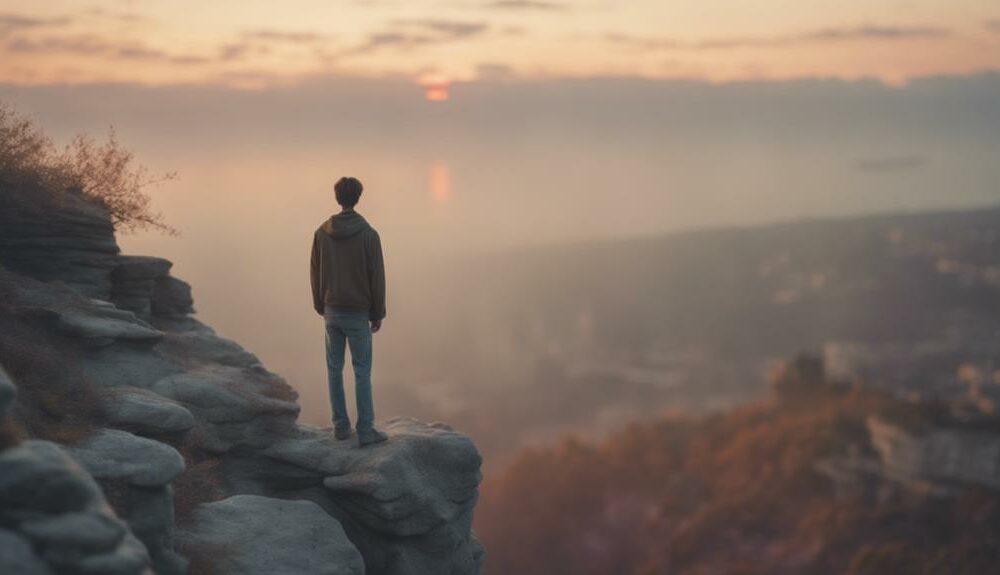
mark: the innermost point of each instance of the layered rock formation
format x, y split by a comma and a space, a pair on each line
188, 415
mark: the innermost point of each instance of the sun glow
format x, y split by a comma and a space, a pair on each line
439, 182
436, 92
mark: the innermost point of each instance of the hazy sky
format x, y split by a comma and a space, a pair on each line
252, 43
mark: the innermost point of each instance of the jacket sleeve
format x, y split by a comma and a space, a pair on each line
376, 278
315, 276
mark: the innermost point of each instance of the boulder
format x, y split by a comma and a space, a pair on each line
144, 412
18, 557
69, 537
57, 506
263, 536
425, 476
204, 346
103, 326
120, 455
38, 477
129, 558
224, 394
72, 241
171, 298
134, 281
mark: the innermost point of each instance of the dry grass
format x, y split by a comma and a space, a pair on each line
55, 401
200, 483
10, 434
205, 559
36, 174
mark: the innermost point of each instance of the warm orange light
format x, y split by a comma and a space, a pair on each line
436, 92
439, 182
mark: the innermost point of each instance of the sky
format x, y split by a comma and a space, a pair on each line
491, 125
257, 43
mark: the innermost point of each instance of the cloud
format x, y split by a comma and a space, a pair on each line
819, 36
891, 164
422, 32
993, 24
265, 40
285, 36
118, 16
11, 23
527, 5
449, 29
93, 45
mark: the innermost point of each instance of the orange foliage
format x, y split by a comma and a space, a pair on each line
732, 493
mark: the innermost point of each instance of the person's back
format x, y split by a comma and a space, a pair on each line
348, 287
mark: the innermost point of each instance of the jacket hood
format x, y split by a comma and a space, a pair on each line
345, 225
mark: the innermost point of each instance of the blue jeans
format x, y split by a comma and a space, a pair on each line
349, 328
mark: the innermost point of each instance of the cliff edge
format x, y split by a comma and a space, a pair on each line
133, 439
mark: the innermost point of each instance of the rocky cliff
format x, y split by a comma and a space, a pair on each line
133, 439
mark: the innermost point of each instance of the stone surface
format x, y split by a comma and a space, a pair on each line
38, 477
423, 477
265, 536
54, 503
103, 326
71, 241
129, 558
171, 298
222, 394
144, 412
8, 392
17, 557
80, 531
120, 455
134, 281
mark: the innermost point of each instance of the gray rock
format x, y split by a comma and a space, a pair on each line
83, 532
8, 392
18, 557
39, 477
265, 536
150, 515
134, 281
72, 242
423, 477
141, 268
144, 412
116, 454
102, 326
171, 298
130, 558
223, 394
203, 345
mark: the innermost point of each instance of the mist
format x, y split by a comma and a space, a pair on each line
459, 189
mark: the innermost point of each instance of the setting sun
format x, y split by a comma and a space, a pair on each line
437, 92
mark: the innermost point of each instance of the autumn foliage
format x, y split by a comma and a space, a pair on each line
734, 493
104, 172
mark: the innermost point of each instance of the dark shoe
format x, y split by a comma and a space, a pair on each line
342, 434
371, 436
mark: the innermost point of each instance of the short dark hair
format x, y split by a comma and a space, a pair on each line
348, 191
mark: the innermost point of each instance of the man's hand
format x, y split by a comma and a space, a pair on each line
376, 325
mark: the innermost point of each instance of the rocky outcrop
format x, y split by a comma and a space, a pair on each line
284, 497
70, 241
255, 535
54, 518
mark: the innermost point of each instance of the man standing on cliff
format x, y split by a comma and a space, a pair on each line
348, 287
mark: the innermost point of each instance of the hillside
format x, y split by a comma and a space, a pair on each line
823, 478
133, 438
693, 321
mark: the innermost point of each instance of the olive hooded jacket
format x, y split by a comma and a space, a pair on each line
347, 270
